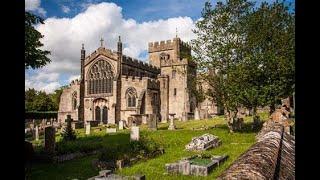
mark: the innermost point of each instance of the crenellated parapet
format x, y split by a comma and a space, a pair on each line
153, 84
161, 46
139, 64
74, 82
167, 45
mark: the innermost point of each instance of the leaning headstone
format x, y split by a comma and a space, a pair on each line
49, 142
37, 133
121, 125
134, 134
88, 128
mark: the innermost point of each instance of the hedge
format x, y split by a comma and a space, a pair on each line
41, 115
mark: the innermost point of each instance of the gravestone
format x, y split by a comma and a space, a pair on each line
121, 125
204, 142
152, 122
172, 126
49, 139
134, 134
196, 114
88, 128
37, 133
31, 126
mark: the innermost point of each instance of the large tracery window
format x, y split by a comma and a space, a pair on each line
100, 78
131, 95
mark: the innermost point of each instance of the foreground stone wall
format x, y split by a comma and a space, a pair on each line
272, 157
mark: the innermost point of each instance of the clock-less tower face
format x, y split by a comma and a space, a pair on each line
164, 59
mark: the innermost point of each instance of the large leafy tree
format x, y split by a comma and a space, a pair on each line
217, 49
34, 57
270, 51
41, 101
248, 53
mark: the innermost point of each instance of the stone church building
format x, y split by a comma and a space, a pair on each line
115, 87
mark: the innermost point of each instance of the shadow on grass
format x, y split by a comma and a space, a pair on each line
249, 127
246, 128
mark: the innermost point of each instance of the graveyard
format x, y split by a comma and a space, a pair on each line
170, 145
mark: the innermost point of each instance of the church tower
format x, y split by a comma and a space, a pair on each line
173, 57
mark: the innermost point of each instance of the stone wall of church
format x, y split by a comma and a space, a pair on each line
142, 88
66, 99
101, 100
178, 95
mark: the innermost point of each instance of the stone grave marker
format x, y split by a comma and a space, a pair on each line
196, 114
152, 122
121, 125
49, 139
88, 128
37, 133
172, 126
134, 134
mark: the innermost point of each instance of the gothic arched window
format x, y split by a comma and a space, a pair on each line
74, 101
100, 78
131, 95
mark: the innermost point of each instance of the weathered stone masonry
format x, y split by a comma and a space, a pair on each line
116, 87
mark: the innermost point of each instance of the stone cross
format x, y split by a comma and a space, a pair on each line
134, 134
49, 139
37, 133
88, 128
101, 41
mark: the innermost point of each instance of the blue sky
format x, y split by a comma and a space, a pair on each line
69, 23
140, 10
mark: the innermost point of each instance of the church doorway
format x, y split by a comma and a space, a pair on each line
97, 113
101, 110
105, 115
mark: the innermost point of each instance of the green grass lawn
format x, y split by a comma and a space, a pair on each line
172, 141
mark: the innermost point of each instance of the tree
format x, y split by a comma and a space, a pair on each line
38, 101
43, 102
30, 96
216, 49
34, 57
68, 133
248, 54
55, 97
270, 48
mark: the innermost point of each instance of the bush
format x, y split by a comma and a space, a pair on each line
84, 145
109, 154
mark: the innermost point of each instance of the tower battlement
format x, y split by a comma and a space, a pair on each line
167, 45
139, 64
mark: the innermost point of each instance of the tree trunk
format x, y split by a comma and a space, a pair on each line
272, 108
256, 118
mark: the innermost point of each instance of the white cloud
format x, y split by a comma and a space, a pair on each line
65, 9
64, 36
34, 5
43, 81
74, 77
48, 87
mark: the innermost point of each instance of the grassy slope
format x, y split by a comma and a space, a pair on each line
173, 142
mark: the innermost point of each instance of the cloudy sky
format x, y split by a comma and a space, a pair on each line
69, 23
